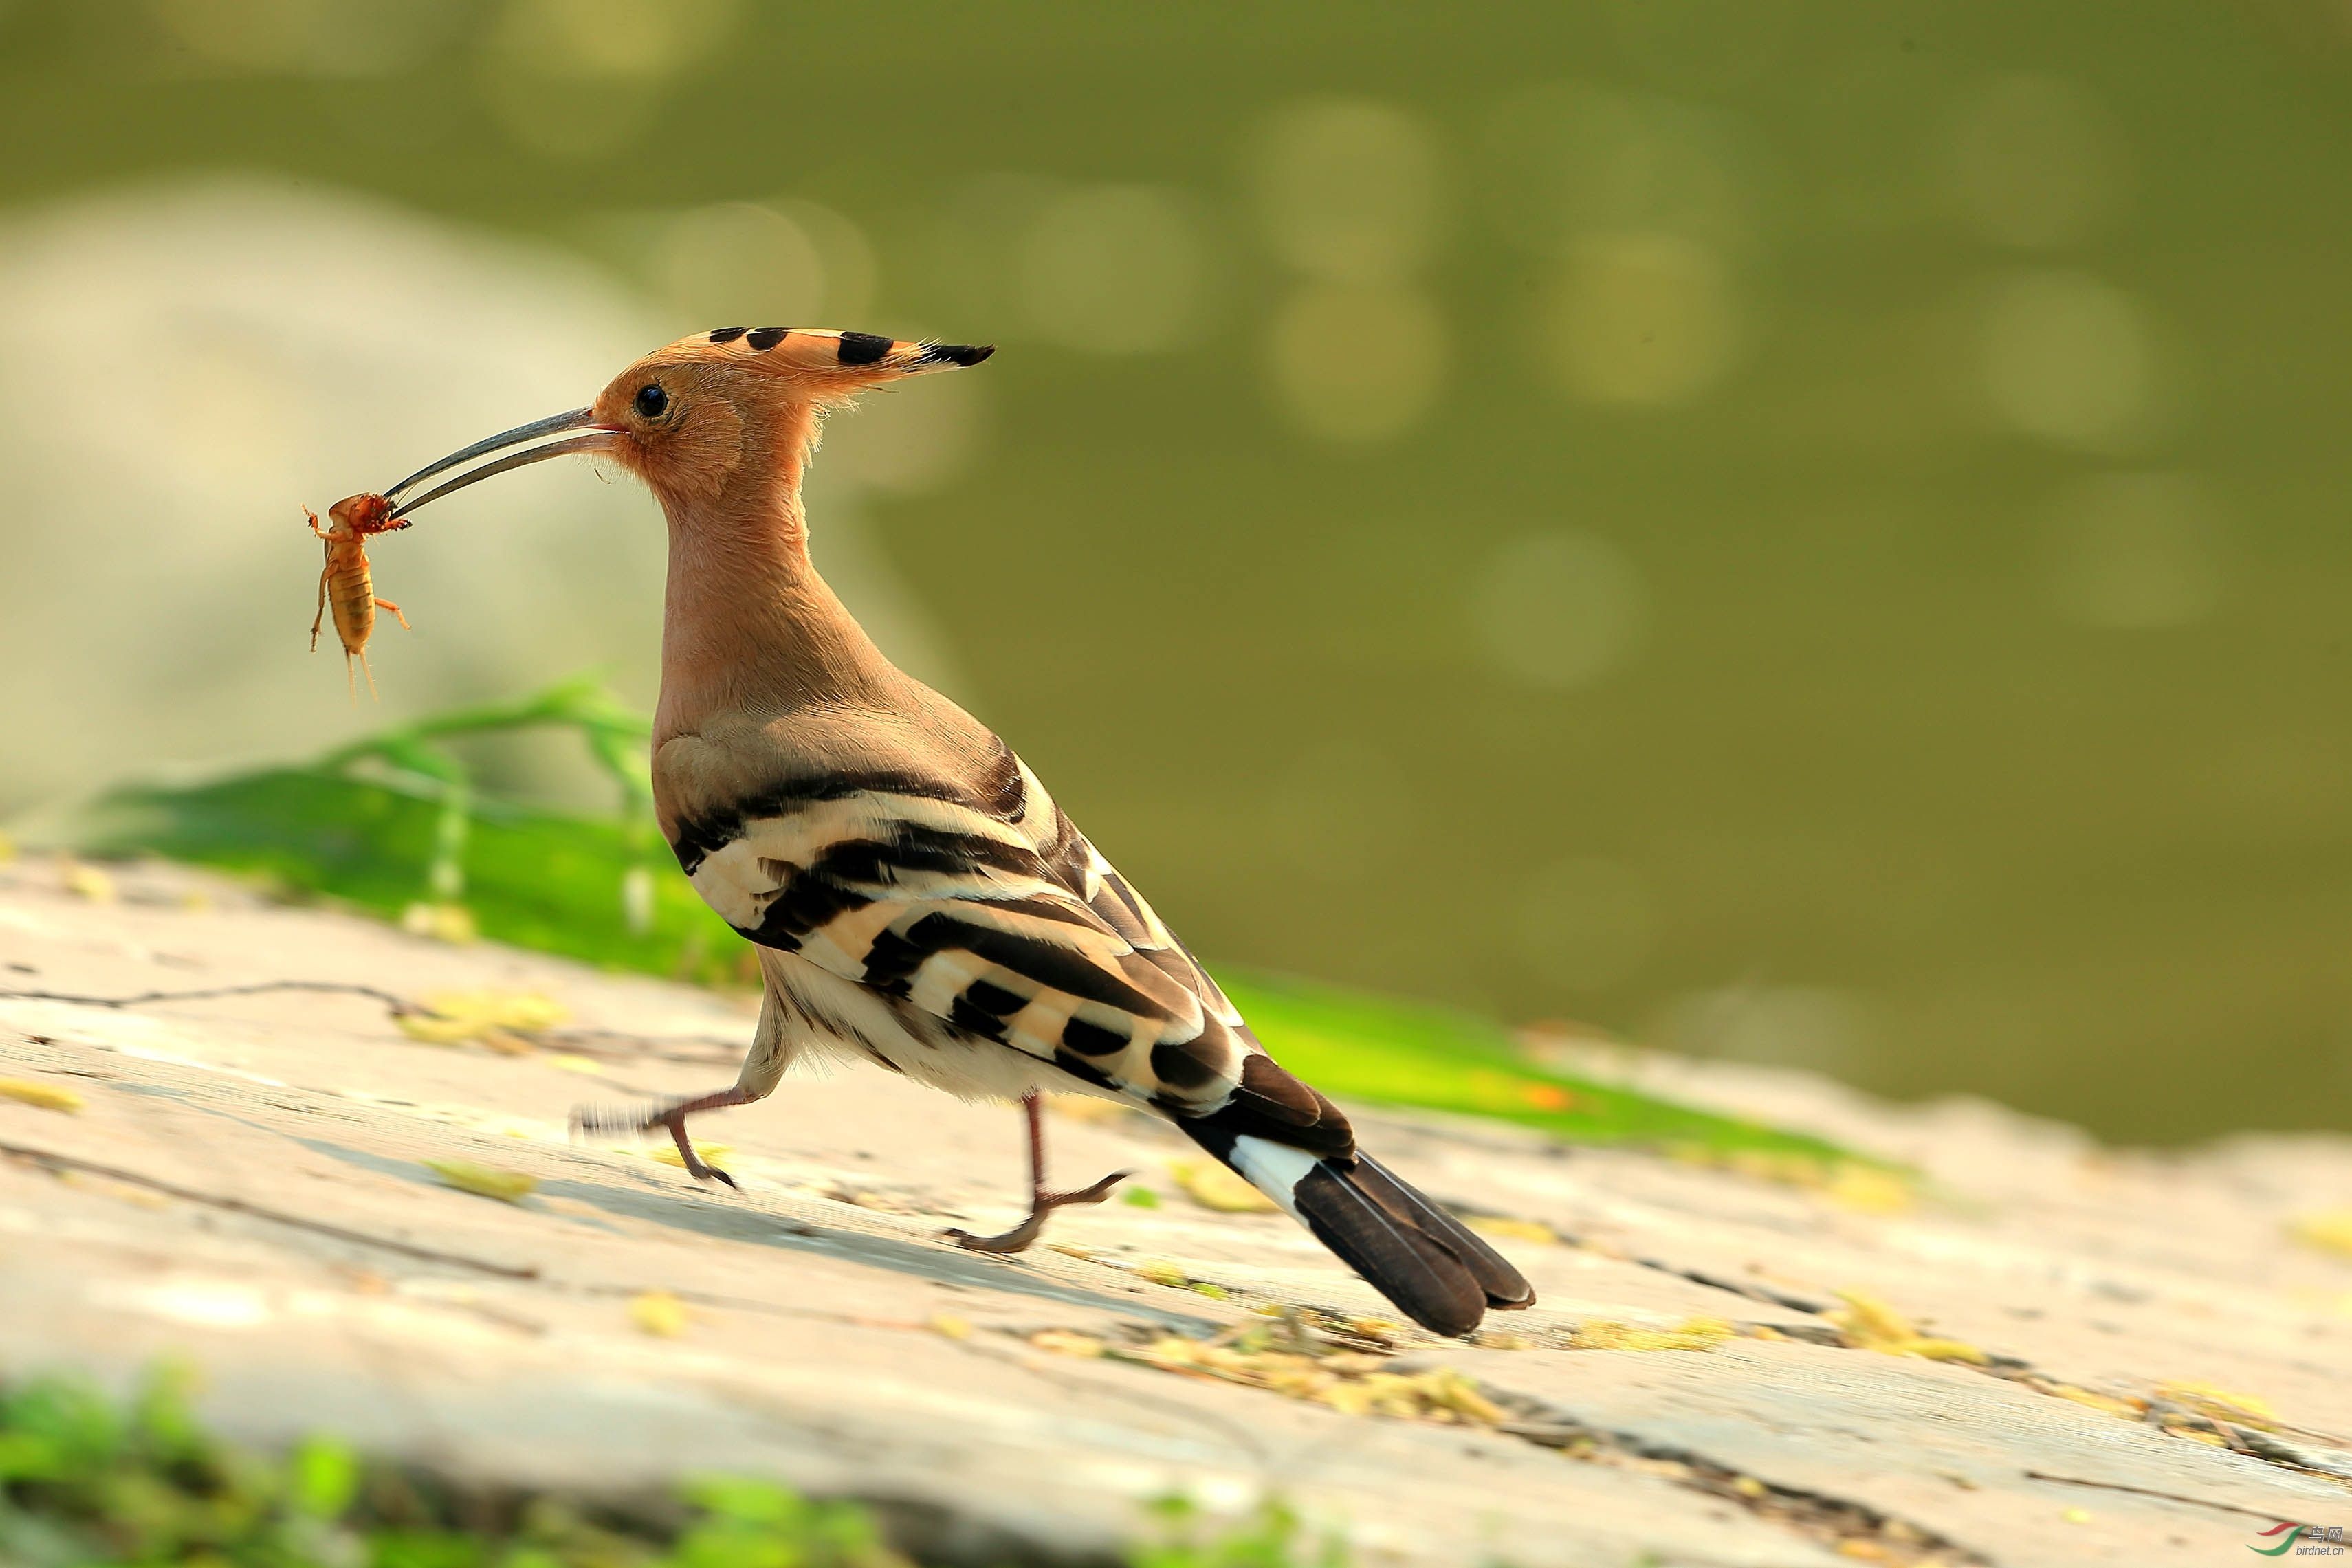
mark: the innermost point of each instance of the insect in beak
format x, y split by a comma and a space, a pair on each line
599, 437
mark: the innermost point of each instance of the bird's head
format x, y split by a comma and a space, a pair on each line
685, 418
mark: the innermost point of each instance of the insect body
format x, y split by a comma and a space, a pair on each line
346, 583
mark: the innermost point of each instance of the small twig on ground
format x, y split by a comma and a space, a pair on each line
51, 1160
2150, 1491
400, 1006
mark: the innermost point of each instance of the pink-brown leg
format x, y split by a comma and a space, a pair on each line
673, 1117
1041, 1202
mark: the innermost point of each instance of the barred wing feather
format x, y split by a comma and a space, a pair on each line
1006, 923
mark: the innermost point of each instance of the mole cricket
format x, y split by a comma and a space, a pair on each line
346, 582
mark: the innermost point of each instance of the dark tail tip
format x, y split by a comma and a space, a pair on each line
1409, 1249
1505, 1286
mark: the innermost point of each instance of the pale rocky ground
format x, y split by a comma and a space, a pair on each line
282, 1233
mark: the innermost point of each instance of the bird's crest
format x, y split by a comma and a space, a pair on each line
828, 366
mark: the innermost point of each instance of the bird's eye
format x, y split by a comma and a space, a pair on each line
652, 401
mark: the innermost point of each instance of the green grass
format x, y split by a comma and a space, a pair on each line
90, 1482
1434, 1059
393, 825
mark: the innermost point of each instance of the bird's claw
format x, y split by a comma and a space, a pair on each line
1021, 1236
592, 1121
1095, 1193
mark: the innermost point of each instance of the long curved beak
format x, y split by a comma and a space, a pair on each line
599, 437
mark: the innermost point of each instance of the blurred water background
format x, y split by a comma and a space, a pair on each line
1808, 532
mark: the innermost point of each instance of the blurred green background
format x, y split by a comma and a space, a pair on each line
1806, 532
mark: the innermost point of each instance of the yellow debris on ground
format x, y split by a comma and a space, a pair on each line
1869, 1323
668, 1154
948, 1325
1692, 1333
1350, 1382
1159, 1271
1503, 1225
40, 1096
484, 1181
1866, 1189
450, 923
2221, 1404
2329, 1230
658, 1313
1212, 1185
85, 881
455, 1017
2129, 1409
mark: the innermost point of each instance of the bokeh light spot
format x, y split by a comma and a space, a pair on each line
1558, 610
1349, 191
2069, 359
589, 40
1642, 319
1354, 362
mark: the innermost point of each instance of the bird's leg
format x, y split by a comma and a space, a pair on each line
1041, 1202
672, 1116
771, 1052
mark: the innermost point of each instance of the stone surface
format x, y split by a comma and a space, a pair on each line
323, 1277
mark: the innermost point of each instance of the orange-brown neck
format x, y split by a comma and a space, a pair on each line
750, 629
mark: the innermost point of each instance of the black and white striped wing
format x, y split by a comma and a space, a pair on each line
987, 909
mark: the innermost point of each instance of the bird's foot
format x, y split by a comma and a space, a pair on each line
604, 1122
694, 1164
1021, 1236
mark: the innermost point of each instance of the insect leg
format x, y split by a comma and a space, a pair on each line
396, 616
317, 619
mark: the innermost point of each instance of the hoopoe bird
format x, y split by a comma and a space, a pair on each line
917, 899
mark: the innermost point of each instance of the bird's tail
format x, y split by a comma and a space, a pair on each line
1407, 1248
